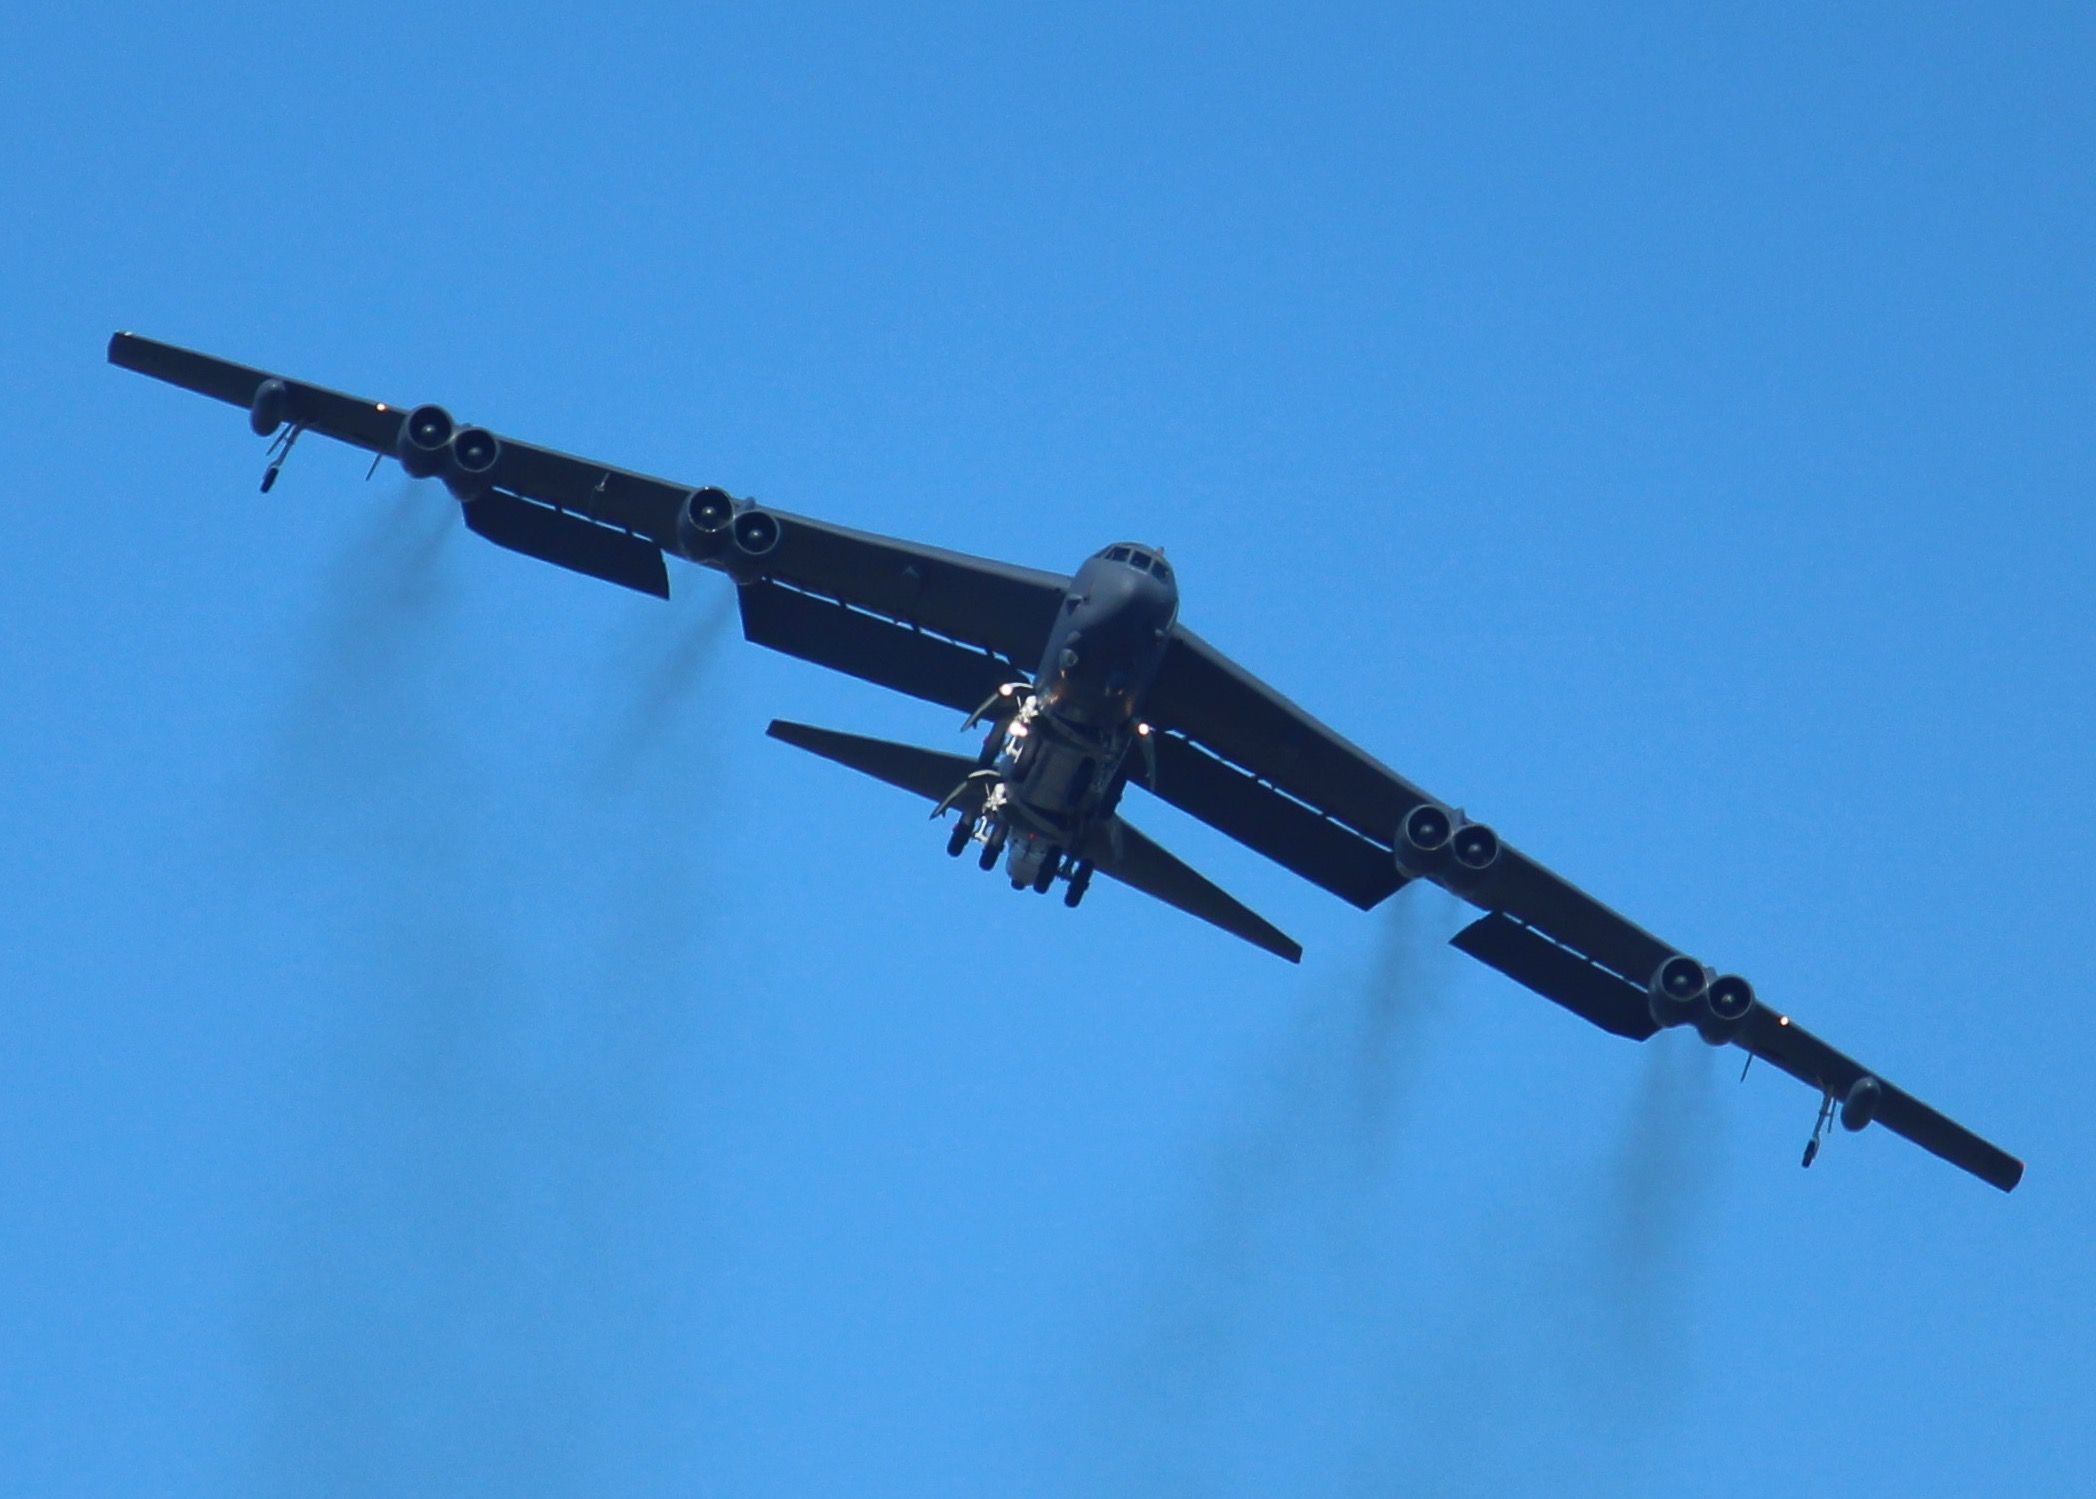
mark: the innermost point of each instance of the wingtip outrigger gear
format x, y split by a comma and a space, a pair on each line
279, 450
1819, 1128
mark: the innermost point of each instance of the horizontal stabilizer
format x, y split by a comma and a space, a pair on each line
569, 541
929, 773
1122, 852
1115, 849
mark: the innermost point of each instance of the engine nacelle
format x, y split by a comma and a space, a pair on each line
702, 525
1474, 848
1861, 1104
1677, 990
1726, 1005
471, 466
755, 533
1422, 839
266, 413
424, 445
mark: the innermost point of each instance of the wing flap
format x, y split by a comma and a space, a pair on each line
1001, 607
1558, 974
1294, 836
569, 541
865, 646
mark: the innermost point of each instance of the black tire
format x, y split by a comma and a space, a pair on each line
1080, 882
958, 840
1045, 875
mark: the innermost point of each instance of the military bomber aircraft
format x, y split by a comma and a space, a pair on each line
1119, 693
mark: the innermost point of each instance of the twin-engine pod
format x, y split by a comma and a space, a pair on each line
1433, 840
266, 412
1684, 992
432, 444
425, 441
730, 534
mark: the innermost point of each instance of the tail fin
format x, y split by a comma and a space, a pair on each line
1115, 848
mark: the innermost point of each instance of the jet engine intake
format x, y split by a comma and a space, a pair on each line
756, 532
702, 527
1678, 986
474, 454
1861, 1104
1422, 839
1726, 1005
1474, 847
266, 413
425, 440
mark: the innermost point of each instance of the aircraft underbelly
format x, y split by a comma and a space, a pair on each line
1058, 780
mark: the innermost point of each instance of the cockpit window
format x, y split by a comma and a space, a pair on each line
1140, 558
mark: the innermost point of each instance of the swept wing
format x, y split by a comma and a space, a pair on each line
1279, 766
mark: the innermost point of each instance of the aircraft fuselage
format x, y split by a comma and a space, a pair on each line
1061, 754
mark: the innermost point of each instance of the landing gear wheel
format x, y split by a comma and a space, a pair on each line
1045, 875
1080, 882
992, 847
959, 838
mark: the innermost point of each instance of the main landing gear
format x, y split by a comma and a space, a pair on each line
1819, 1128
993, 833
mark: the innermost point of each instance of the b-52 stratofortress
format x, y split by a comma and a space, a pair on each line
1085, 685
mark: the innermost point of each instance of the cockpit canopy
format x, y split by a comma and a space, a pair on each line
1141, 558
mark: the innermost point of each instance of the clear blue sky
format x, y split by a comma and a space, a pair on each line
450, 1050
